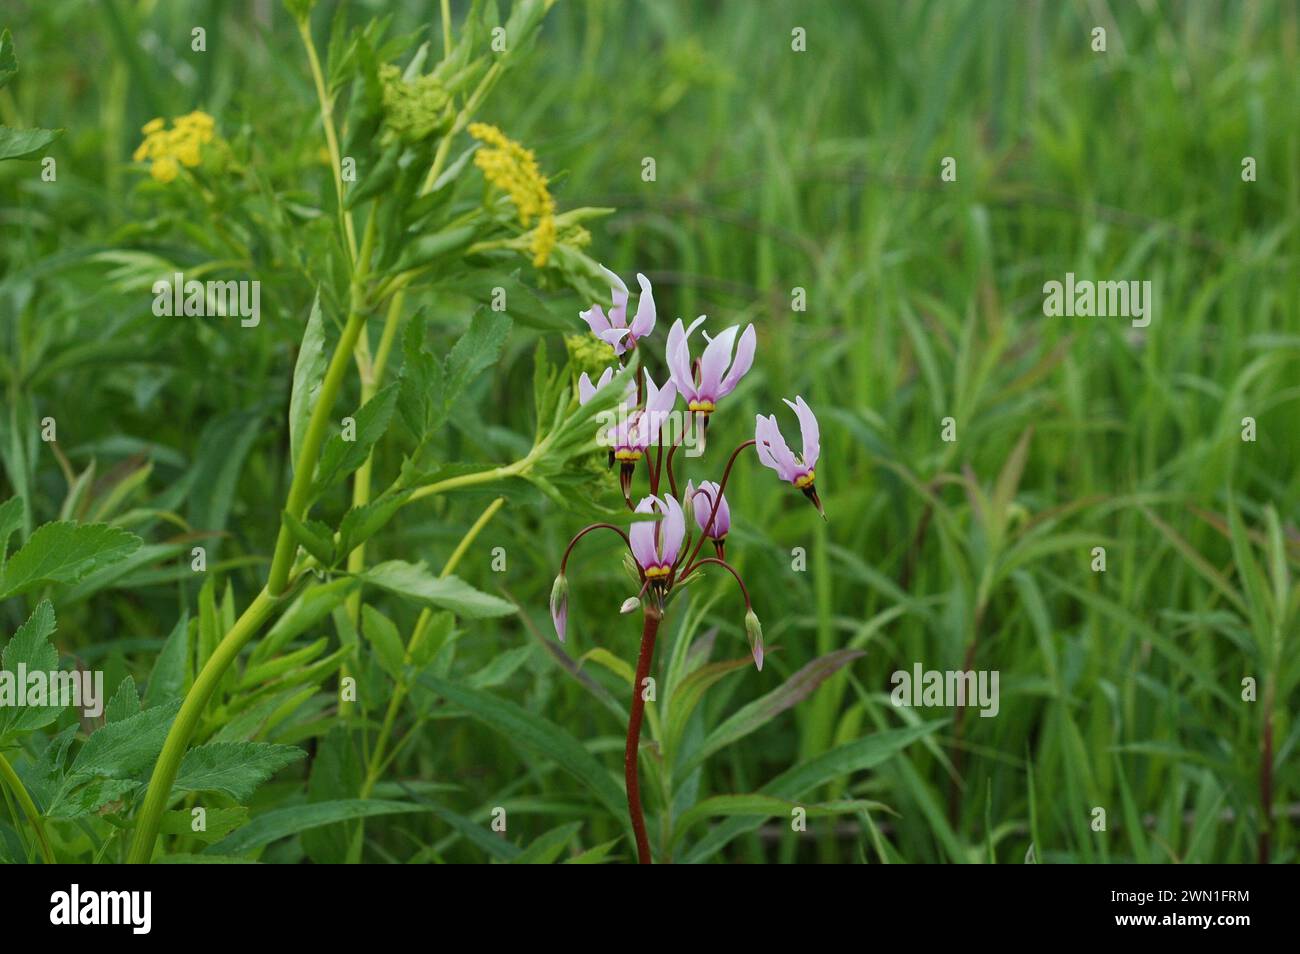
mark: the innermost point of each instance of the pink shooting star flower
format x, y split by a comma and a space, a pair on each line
638, 429
702, 499
656, 544
587, 390
716, 381
773, 451
613, 328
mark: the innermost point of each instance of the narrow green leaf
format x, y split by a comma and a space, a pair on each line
762, 710
548, 847
855, 756
536, 734
415, 582
283, 822
308, 373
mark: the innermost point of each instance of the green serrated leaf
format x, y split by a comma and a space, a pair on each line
123, 749
125, 702
64, 553
31, 648
340, 457
233, 768
217, 822
475, 351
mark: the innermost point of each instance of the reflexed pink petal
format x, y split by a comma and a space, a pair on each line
772, 449
702, 502
714, 363
679, 367
674, 529
619, 293
614, 336
679, 359
595, 319
810, 432
644, 322
744, 360
642, 535
659, 402
587, 390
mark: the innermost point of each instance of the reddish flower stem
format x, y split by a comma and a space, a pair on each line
722, 486
630, 763
672, 478
586, 530
726, 566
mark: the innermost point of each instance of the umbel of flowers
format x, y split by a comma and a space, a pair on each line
664, 550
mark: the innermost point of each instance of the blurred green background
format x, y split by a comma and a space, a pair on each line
779, 170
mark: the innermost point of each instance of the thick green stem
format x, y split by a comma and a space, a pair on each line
305, 466
10, 777
178, 737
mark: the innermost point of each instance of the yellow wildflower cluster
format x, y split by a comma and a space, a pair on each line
513, 169
169, 149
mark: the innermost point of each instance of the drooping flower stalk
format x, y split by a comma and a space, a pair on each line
664, 553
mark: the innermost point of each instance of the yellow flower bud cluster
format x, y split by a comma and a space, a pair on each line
513, 169
169, 149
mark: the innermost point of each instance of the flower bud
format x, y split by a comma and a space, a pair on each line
560, 605
754, 630
630, 604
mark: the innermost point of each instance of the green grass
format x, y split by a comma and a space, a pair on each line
776, 170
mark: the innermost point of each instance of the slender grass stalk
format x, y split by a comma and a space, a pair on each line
446, 27
630, 753
10, 778
1266, 778
331, 135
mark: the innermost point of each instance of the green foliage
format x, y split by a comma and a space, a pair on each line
1146, 689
